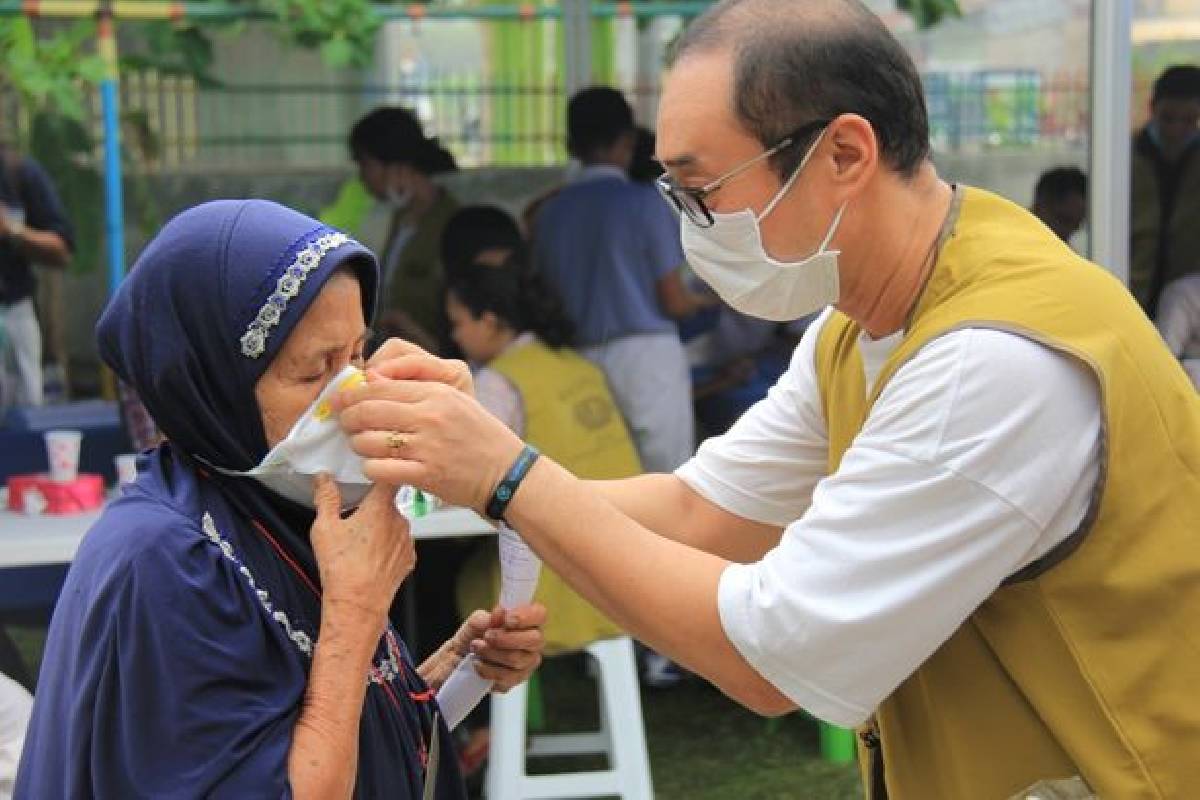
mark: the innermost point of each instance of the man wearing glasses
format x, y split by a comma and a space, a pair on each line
964, 521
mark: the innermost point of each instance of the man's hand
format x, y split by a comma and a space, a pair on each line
402, 360
427, 434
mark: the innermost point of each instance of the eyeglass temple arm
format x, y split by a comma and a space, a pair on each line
738, 170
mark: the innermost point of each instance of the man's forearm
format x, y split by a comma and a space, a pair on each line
43, 247
323, 761
664, 504
655, 501
661, 591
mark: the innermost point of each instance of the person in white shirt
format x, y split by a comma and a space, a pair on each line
15, 707
937, 519
1179, 322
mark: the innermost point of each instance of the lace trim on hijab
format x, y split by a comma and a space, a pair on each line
306, 259
384, 670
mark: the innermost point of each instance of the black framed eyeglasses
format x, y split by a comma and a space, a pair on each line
690, 201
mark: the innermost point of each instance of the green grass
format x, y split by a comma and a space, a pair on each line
702, 745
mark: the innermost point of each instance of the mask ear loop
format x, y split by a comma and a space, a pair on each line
837, 220
787, 187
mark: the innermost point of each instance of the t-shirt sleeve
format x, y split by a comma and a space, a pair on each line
767, 465
663, 245
44, 210
981, 454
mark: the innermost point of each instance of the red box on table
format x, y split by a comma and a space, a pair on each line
85, 493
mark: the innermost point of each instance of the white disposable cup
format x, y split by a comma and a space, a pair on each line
62, 450
126, 468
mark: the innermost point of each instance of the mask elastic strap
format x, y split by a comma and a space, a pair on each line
233, 473
792, 180
837, 220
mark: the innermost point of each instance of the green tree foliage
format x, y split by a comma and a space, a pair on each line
342, 30
927, 13
172, 48
49, 76
50, 72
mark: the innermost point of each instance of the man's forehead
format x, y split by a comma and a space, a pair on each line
695, 118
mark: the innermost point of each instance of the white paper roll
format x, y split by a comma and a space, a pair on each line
519, 571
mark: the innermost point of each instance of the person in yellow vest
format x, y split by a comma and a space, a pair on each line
967, 518
506, 320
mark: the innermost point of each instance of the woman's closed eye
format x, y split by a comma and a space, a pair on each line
315, 377
317, 370
331, 366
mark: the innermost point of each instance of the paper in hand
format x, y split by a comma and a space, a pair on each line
519, 570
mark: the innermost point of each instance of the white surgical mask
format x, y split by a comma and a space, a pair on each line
731, 258
315, 444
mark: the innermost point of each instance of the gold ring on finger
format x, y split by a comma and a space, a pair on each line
398, 440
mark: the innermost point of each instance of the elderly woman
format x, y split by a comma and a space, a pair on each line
220, 634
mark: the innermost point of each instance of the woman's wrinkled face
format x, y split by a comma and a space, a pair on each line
330, 335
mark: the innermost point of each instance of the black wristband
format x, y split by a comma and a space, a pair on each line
507, 488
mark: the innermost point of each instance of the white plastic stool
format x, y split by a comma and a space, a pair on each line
622, 737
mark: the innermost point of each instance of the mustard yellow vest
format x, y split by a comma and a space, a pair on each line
571, 416
1087, 662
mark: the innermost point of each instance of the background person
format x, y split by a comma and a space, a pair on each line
507, 322
610, 249
1060, 200
1165, 189
34, 229
15, 705
398, 164
1179, 322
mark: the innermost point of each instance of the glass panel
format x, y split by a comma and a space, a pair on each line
1007, 89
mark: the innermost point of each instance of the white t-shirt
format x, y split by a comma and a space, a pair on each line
15, 708
1179, 322
981, 454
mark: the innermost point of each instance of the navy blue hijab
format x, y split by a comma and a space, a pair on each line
178, 654
174, 330
180, 331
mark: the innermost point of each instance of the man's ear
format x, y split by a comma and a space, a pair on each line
855, 151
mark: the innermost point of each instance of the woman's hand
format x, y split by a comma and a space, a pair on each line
365, 557
429, 435
401, 360
508, 645
362, 559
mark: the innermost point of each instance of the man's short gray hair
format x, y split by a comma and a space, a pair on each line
797, 61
